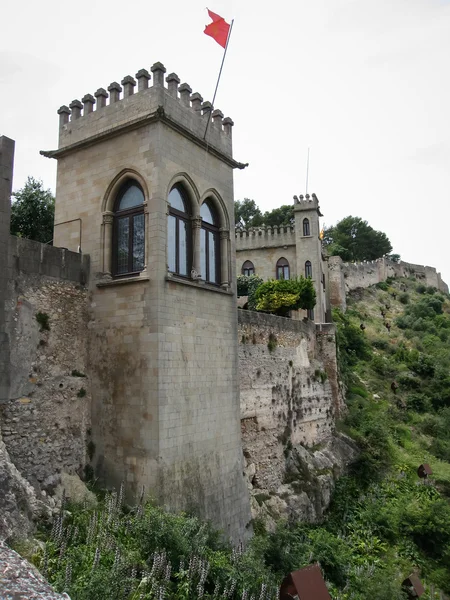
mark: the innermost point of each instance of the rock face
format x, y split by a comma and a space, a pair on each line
19, 505
21, 581
306, 479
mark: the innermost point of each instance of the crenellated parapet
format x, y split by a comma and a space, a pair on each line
307, 202
140, 99
265, 237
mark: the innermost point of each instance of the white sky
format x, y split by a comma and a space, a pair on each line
364, 83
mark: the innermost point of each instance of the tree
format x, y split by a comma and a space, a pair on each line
284, 215
280, 296
355, 240
33, 212
246, 213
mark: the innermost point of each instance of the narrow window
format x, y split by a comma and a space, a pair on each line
306, 229
129, 231
248, 268
179, 234
282, 269
310, 313
308, 269
209, 244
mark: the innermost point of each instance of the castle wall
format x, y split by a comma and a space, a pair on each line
365, 274
46, 418
286, 395
265, 260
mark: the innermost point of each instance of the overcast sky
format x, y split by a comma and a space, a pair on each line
364, 83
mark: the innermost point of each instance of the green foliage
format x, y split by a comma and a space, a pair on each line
81, 393
32, 212
382, 285
320, 375
352, 344
404, 298
272, 343
76, 373
247, 286
280, 296
145, 552
355, 240
247, 214
43, 320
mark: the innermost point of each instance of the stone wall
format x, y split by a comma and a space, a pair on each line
290, 398
45, 420
369, 273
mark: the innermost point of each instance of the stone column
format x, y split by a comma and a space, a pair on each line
6, 175
172, 84
196, 229
224, 245
76, 107
114, 90
101, 94
158, 70
128, 83
88, 102
143, 77
64, 113
108, 219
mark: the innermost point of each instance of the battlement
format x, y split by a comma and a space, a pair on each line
306, 202
265, 237
121, 107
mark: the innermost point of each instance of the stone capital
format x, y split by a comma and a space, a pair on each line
108, 218
196, 222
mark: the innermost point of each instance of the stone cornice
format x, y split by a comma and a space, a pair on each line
154, 117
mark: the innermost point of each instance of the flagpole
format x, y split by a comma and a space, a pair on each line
218, 79
307, 172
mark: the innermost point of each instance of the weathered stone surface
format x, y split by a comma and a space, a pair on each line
19, 580
75, 490
19, 506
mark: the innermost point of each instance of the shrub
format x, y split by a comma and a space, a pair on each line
43, 319
280, 296
246, 286
409, 382
380, 344
404, 298
382, 285
421, 289
418, 402
272, 343
81, 393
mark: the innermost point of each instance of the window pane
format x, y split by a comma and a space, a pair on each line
123, 236
132, 197
171, 243
206, 214
212, 256
138, 242
182, 247
203, 253
176, 200
286, 272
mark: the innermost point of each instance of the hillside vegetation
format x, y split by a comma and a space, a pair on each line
383, 523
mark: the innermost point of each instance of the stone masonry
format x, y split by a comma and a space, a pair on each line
162, 348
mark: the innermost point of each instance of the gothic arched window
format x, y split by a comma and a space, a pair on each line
179, 233
129, 230
306, 228
248, 268
308, 269
209, 244
282, 269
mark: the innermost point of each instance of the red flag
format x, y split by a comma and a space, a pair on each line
218, 29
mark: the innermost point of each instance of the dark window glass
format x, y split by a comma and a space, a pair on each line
306, 229
310, 313
129, 231
282, 269
209, 244
179, 234
248, 268
308, 269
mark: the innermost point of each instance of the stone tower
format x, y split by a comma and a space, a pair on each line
310, 260
149, 196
